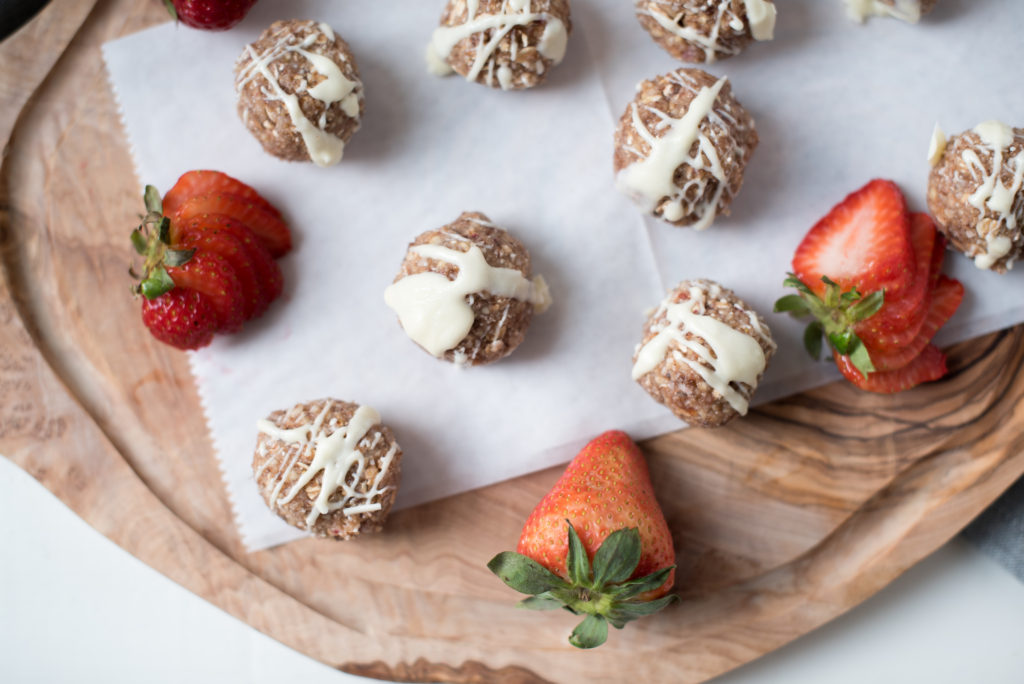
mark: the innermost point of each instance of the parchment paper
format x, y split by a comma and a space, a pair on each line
835, 103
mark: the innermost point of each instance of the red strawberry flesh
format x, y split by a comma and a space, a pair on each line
181, 318
203, 237
268, 273
863, 242
902, 316
204, 181
927, 366
212, 15
268, 227
605, 488
213, 276
943, 303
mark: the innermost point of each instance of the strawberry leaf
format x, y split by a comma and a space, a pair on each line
867, 307
617, 557
842, 341
590, 633
151, 196
524, 574
158, 283
171, 8
812, 339
860, 358
165, 230
541, 602
850, 296
139, 241
178, 257
577, 562
635, 587
793, 281
792, 304
626, 611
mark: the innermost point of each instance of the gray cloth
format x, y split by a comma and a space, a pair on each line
999, 530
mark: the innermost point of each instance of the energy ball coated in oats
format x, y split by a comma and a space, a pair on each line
907, 10
299, 92
507, 44
328, 484
703, 353
464, 292
706, 30
976, 192
682, 146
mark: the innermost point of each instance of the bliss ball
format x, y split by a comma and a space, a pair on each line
702, 353
704, 31
328, 467
976, 192
465, 292
299, 92
682, 146
507, 44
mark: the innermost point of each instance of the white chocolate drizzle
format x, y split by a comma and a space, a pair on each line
437, 313
650, 180
727, 357
760, 17
336, 451
513, 14
936, 146
1005, 201
907, 10
325, 149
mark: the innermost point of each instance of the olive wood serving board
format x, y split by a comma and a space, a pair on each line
782, 521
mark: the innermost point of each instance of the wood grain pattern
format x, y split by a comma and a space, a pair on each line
782, 521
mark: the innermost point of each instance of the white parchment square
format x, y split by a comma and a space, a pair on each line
836, 104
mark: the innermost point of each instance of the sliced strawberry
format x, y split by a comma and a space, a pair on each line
212, 275
943, 302
203, 237
181, 318
900, 319
202, 182
268, 273
863, 243
929, 365
938, 256
267, 226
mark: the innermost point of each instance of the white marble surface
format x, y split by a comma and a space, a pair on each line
76, 608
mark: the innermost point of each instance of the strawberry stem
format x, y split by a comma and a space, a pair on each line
603, 593
152, 241
835, 314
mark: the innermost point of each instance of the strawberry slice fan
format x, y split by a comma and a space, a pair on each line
869, 276
208, 248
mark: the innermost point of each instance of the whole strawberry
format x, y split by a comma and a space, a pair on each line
597, 544
211, 15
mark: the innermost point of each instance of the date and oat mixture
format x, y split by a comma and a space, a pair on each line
704, 31
682, 146
507, 44
976, 192
329, 484
464, 292
299, 92
702, 353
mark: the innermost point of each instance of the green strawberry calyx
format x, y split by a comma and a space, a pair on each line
152, 241
603, 592
835, 316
